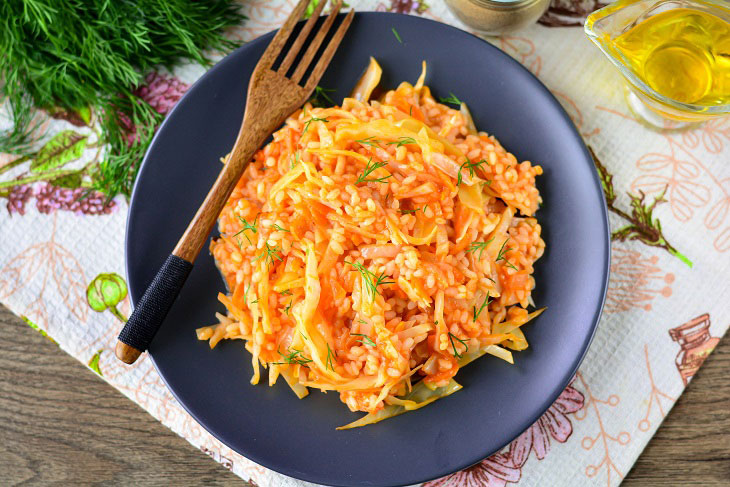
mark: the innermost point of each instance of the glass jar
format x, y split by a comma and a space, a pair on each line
606, 25
696, 342
494, 17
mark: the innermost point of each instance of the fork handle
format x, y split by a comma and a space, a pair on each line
151, 310
159, 297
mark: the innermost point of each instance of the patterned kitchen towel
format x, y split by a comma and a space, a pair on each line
61, 258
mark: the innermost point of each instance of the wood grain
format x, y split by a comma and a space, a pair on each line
61, 424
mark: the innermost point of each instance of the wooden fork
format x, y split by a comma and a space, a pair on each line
272, 96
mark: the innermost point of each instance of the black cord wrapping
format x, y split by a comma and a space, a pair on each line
157, 300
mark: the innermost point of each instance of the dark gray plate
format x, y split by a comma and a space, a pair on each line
298, 438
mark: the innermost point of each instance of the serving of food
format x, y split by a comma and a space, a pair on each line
375, 248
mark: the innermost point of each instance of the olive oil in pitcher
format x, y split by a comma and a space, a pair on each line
682, 54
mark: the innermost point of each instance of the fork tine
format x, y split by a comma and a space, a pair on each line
277, 43
322, 64
314, 47
301, 38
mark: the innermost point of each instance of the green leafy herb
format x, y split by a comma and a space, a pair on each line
452, 99
329, 357
295, 161
365, 340
453, 337
320, 96
313, 119
286, 292
484, 304
83, 57
397, 35
245, 293
480, 246
500, 255
281, 229
246, 226
369, 141
470, 166
403, 140
294, 357
270, 254
370, 279
415, 210
369, 168
288, 308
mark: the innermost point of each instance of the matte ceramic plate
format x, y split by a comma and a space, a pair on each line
296, 437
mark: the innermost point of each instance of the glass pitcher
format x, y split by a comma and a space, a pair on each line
604, 26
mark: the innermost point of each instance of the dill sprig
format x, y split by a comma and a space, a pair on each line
480, 246
294, 357
500, 255
245, 293
330, 354
246, 226
453, 337
320, 96
470, 166
365, 340
415, 210
270, 254
286, 292
313, 119
370, 279
288, 307
277, 227
403, 140
78, 57
369, 141
452, 99
369, 168
484, 304
396, 34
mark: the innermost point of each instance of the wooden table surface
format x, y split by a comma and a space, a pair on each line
61, 424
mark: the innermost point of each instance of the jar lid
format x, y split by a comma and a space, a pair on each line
503, 3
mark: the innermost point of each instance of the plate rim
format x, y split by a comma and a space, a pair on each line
550, 399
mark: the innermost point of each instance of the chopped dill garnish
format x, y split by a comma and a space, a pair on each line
320, 96
313, 119
239, 243
295, 161
452, 99
480, 246
415, 210
410, 111
396, 34
365, 340
500, 255
281, 229
288, 307
245, 293
369, 168
286, 292
403, 140
369, 141
247, 226
477, 312
453, 337
370, 279
329, 357
362, 321
469, 166
295, 357
303, 335
270, 254
255, 301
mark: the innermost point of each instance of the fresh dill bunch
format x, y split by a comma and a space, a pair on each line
82, 54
